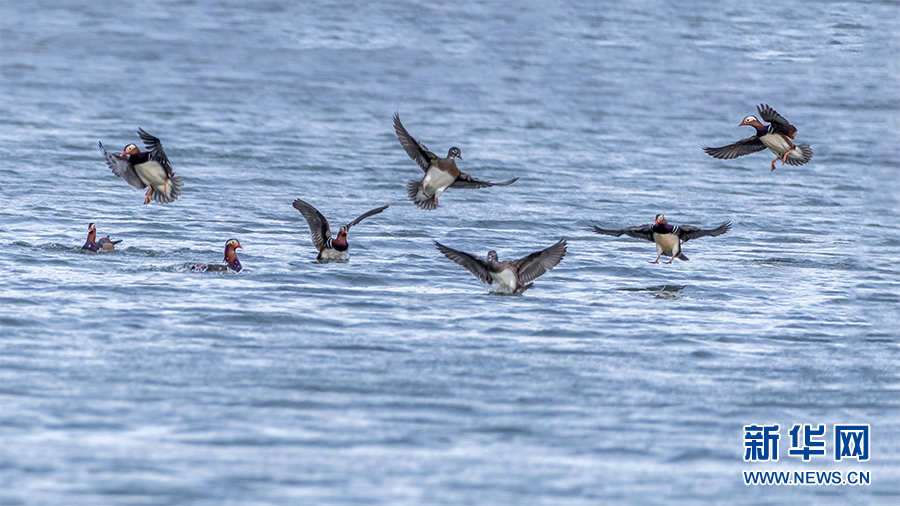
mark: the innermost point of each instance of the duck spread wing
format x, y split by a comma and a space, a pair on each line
318, 225
739, 148
122, 168
415, 149
475, 265
777, 123
157, 153
539, 262
639, 232
689, 232
366, 215
467, 182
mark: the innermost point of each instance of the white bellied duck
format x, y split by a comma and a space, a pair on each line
668, 238
440, 173
143, 169
330, 249
508, 277
777, 136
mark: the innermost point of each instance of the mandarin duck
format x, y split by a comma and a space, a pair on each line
143, 169
777, 136
104, 243
330, 249
508, 277
668, 238
231, 260
440, 173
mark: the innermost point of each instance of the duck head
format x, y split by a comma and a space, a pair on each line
230, 246
131, 149
492, 256
92, 232
660, 220
751, 121
341, 236
454, 153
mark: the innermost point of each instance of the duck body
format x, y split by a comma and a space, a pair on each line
335, 250
777, 136
668, 238
508, 277
330, 249
437, 178
150, 171
440, 173
107, 244
91, 243
146, 169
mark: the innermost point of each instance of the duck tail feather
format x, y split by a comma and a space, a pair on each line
417, 195
800, 155
176, 184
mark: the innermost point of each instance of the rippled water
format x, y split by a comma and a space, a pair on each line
396, 378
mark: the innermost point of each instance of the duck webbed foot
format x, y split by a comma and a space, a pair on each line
147, 198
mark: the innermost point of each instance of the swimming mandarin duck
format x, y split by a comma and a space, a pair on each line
231, 260
508, 277
143, 169
668, 238
93, 245
107, 244
440, 173
330, 249
777, 136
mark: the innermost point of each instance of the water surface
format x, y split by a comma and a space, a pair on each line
396, 378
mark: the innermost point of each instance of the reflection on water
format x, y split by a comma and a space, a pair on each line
659, 292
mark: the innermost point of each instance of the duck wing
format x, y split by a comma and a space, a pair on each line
157, 153
366, 215
472, 263
534, 265
415, 149
639, 232
467, 182
777, 123
688, 232
122, 168
318, 225
739, 148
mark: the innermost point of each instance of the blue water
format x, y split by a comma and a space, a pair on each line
396, 378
